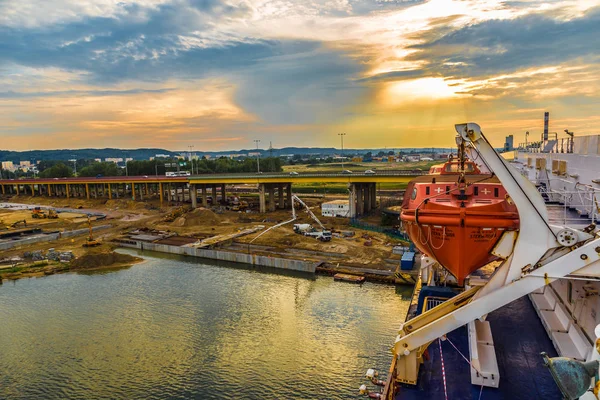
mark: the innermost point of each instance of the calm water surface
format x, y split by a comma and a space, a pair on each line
172, 328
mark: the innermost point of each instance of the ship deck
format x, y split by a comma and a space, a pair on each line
519, 338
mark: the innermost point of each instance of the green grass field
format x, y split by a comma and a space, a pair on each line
342, 188
359, 167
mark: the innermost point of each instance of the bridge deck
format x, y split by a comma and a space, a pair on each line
382, 176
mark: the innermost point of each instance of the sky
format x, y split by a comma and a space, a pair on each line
219, 74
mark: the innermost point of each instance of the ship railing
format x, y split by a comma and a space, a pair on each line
584, 199
390, 383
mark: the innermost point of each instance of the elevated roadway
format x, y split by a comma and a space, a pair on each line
361, 186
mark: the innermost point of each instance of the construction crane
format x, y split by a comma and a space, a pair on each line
312, 215
324, 235
91, 242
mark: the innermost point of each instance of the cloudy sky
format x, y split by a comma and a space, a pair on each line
218, 74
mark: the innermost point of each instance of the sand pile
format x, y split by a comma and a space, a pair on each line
200, 216
124, 204
97, 260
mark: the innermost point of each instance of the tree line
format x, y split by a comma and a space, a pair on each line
92, 168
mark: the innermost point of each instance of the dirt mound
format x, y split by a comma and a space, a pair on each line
200, 216
97, 260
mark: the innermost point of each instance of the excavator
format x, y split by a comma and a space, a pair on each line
91, 242
4, 225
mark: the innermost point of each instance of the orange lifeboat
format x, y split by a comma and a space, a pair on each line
456, 215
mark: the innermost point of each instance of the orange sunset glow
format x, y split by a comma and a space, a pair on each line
219, 73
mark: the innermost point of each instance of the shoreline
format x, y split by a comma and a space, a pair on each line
55, 267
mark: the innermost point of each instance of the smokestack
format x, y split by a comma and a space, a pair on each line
546, 120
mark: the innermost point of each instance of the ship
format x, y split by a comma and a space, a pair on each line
508, 297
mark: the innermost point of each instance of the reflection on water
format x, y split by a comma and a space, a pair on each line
173, 328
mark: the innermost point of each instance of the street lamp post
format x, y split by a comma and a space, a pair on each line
257, 155
191, 147
341, 135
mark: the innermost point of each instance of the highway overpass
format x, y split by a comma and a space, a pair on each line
276, 186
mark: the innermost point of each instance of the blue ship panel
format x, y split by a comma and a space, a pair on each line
519, 338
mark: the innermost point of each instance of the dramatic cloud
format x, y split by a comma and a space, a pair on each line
221, 73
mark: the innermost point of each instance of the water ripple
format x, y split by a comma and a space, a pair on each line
174, 329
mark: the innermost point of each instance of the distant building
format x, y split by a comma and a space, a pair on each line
129, 159
426, 159
98, 159
114, 160
8, 165
161, 156
357, 159
509, 143
336, 208
25, 164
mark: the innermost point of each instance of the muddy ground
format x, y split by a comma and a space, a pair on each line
366, 249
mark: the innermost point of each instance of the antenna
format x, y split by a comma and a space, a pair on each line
270, 149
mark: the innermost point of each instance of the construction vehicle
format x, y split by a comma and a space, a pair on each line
323, 236
15, 224
91, 242
309, 230
302, 228
38, 213
239, 205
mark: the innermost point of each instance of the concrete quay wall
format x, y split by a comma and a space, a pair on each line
250, 259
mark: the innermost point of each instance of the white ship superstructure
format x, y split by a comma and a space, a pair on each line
567, 174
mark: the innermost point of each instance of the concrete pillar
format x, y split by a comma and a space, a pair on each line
374, 195
160, 190
368, 198
87, 191
109, 192
280, 204
32, 191
358, 200
261, 198
204, 196
288, 195
214, 195
3, 190
224, 194
147, 192
352, 199
271, 198
194, 195
67, 191
169, 192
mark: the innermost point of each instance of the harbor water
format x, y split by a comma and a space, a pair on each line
177, 328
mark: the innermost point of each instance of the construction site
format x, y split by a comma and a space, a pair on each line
229, 228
